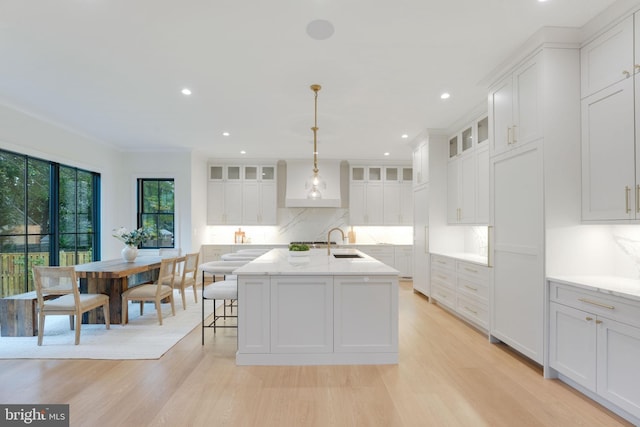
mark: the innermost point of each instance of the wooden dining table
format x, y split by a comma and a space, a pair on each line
113, 277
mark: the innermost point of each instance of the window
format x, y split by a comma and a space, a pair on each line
48, 216
156, 204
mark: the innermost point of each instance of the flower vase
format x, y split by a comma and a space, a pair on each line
129, 253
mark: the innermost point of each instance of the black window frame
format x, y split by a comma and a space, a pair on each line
143, 214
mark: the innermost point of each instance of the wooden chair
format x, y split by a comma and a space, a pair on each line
188, 277
155, 292
63, 283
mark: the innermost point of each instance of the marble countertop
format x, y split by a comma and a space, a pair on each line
465, 256
613, 285
280, 262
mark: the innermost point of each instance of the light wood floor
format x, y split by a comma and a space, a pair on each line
448, 375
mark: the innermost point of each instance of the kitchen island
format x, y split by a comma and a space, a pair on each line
317, 309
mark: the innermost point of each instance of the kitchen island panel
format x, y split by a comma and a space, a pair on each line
301, 314
254, 333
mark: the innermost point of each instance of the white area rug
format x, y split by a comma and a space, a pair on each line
141, 338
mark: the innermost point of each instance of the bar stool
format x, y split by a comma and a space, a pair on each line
239, 256
253, 251
222, 290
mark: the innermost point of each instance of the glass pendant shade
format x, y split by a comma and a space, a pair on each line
314, 186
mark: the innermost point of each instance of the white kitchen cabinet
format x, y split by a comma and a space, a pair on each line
514, 113
259, 196
238, 195
254, 315
380, 195
421, 164
398, 196
518, 260
594, 341
610, 124
609, 58
462, 287
468, 175
443, 281
371, 301
383, 253
214, 252
403, 257
421, 258
301, 314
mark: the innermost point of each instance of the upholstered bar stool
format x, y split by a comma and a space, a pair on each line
220, 268
252, 251
239, 256
226, 290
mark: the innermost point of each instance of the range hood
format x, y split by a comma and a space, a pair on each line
299, 171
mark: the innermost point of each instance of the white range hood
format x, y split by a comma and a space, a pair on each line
299, 171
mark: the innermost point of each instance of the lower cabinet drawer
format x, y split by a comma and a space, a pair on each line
474, 311
444, 296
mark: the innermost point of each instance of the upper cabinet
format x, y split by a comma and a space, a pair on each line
513, 105
608, 59
381, 195
468, 174
242, 195
610, 122
421, 164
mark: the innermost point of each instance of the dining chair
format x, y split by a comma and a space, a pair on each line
58, 294
155, 292
172, 253
188, 277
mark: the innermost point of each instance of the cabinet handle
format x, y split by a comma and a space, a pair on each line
508, 136
440, 276
489, 234
471, 288
426, 239
638, 198
472, 311
626, 74
471, 270
458, 213
441, 262
588, 319
514, 134
598, 322
627, 192
599, 304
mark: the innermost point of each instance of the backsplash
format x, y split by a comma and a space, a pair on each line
310, 224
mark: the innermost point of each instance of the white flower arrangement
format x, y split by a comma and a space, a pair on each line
132, 238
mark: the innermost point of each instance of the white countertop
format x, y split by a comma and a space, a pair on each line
613, 285
280, 262
465, 256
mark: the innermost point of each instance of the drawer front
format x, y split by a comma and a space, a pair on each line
444, 278
443, 262
609, 306
444, 296
476, 273
477, 291
474, 311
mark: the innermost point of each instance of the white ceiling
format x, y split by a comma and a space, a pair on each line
113, 69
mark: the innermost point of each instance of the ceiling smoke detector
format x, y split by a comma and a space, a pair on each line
320, 29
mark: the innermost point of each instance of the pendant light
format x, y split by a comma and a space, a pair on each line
315, 184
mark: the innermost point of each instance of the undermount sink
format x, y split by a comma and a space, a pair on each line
347, 256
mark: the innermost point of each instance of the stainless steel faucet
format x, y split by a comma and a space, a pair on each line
329, 238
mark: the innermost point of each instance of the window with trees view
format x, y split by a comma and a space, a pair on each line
48, 216
156, 205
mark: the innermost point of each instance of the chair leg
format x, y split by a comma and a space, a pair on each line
214, 316
40, 327
78, 325
195, 293
173, 306
159, 310
125, 311
107, 320
202, 312
184, 299
141, 308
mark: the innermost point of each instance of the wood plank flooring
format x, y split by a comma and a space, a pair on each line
448, 375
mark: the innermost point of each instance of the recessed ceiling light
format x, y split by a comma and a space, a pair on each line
243, 152
225, 133
186, 91
445, 95
386, 154
320, 29
405, 136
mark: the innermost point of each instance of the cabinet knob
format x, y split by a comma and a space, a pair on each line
636, 67
588, 319
626, 74
598, 322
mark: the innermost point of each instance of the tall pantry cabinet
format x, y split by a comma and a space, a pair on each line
610, 90
534, 125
